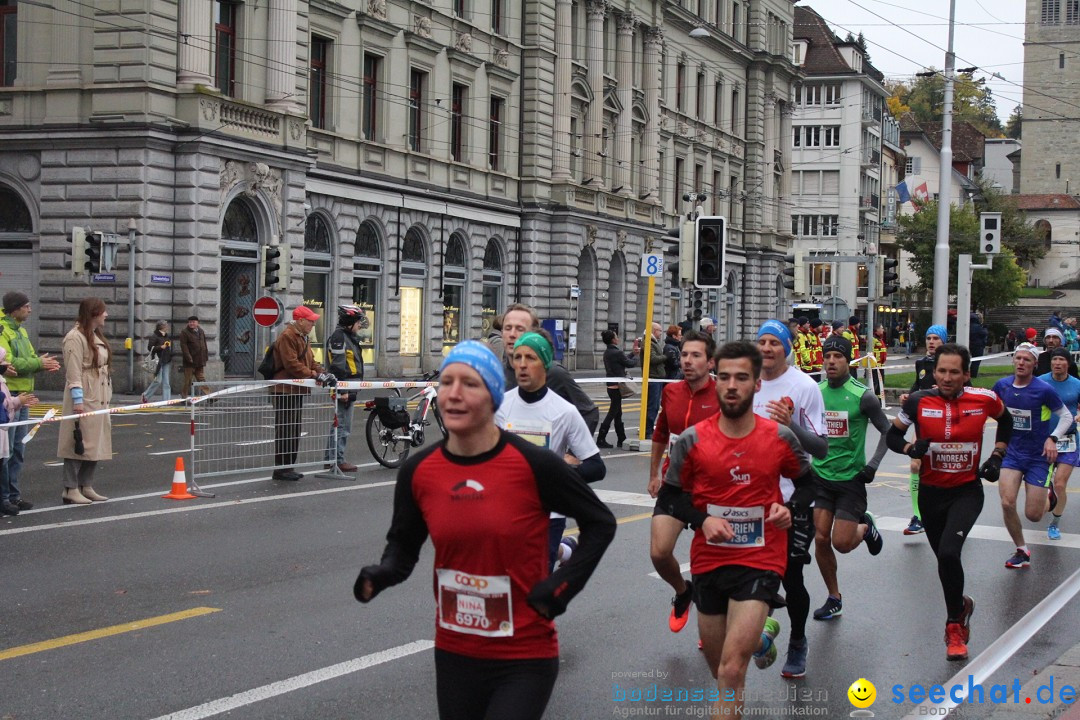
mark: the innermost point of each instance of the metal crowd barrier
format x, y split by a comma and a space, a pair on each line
244, 427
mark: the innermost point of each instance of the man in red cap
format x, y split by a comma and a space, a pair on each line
293, 360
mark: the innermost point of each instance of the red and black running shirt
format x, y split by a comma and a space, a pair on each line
737, 479
488, 520
954, 428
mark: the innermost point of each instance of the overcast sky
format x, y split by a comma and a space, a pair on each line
989, 34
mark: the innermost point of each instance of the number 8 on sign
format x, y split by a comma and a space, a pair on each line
652, 265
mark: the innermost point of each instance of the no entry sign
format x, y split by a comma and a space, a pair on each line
267, 311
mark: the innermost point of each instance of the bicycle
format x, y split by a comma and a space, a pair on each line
391, 432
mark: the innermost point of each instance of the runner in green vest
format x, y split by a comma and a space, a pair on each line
840, 517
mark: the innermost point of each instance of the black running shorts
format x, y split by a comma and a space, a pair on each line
845, 499
713, 590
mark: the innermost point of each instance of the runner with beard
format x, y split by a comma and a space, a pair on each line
727, 470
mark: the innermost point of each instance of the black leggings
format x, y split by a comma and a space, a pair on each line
614, 415
800, 535
948, 514
480, 689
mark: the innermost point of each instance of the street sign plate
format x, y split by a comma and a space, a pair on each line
161, 279
652, 265
103, 278
266, 311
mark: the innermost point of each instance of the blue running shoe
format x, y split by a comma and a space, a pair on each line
766, 656
872, 538
833, 608
1053, 532
915, 527
795, 667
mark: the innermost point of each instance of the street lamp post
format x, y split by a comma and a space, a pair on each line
941, 248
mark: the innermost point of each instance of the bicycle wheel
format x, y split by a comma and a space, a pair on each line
385, 448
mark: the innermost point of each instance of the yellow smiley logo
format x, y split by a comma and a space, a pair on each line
862, 693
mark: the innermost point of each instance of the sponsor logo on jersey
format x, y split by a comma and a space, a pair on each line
932, 413
739, 478
974, 411
467, 490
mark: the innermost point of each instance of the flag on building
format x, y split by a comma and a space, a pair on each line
921, 194
902, 193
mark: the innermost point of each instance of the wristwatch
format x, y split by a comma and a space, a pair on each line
1054, 438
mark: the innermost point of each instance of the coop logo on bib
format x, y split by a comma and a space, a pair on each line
953, 457
837, 423
474, 604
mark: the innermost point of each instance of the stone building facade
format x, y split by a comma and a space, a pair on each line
432, 161
1051, 159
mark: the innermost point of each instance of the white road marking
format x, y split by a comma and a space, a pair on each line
1008, 644
298, 682
616, 497
190, 508
170, 452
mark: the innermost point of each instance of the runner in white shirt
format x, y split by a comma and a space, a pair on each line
540, 416
792, 398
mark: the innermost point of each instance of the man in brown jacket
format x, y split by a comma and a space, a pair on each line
196, 354
293, 360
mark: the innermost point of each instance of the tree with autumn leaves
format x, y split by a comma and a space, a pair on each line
924, 97
1022, 245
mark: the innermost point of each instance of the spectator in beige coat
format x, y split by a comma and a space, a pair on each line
87, 441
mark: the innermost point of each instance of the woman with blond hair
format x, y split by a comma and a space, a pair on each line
88, 386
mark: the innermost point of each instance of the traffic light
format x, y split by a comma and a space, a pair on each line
685, 235
697, 304
795, 272
990, 233
271, 266
93, 253
283, 275
710, 239
75, 258
889, 277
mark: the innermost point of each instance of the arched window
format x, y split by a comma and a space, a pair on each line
412, 250
317, 235
239, 223
453, 296
14, 215
1045, 232
491, 300
367, 241
367, 272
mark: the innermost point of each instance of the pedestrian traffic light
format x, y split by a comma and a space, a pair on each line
989, 233
93, 253
75, 258
271, 266
710, 238
795, 273
889, 277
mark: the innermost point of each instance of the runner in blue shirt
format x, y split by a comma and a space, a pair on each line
1068, 389
1032, 449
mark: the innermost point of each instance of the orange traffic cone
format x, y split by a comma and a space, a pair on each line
179, 483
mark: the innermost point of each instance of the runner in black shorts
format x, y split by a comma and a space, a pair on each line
840, 517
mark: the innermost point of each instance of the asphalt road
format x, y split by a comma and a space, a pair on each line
241, 605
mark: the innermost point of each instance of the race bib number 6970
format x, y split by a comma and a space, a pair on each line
475, 604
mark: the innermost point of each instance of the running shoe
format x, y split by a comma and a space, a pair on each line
1053, 497
872, 537
680, 608
833, 608
955, 644
965, 617
915, 527
795, 667
1053, 532
569, 545
766, 656
1020, 559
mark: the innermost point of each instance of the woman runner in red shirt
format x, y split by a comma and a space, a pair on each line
484, 496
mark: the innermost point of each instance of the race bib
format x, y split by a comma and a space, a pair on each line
1067, 444
475, 604
748, 524
953, 457
837, 423
1021, 419
536, 432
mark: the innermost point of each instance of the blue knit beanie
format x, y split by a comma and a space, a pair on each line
779, 330
940, 330
479, 357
